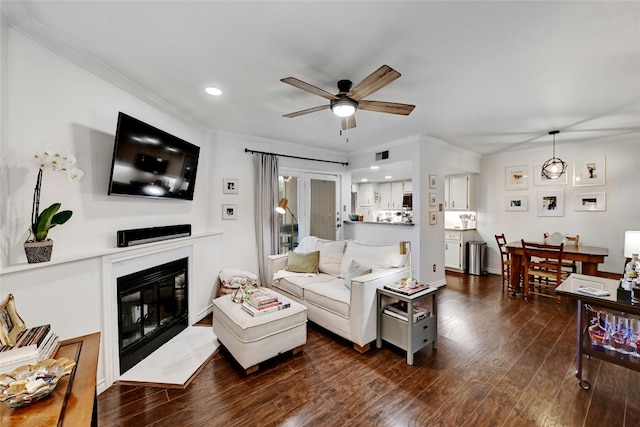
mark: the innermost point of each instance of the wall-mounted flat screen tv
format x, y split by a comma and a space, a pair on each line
150, 162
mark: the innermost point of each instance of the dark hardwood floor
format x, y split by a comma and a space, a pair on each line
500, 362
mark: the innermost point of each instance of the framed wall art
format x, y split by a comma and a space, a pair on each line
229, 211
550, 203
516, 177
433, 217
432, 199
230, 186
433, 181
516, 203
590, 202
538, 179
589, 171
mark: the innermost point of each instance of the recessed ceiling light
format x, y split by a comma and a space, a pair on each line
375, 167
388, 177
364, 180
214, 91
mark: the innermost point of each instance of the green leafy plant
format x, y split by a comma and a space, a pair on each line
41, 223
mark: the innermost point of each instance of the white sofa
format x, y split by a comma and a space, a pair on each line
346, 307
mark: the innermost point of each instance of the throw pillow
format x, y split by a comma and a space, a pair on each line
331, 252
355, 270
303, 263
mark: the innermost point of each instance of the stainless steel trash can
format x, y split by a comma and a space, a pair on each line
475, 257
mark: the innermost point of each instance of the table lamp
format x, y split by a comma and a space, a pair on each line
405, 248
631, 243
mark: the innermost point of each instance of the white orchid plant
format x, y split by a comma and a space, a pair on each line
41, 223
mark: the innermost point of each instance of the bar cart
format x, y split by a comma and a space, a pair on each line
608, 322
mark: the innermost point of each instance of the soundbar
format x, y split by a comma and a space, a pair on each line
139, 236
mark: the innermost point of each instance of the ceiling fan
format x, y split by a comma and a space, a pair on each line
345, 103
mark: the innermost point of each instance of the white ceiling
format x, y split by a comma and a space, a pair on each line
486, 76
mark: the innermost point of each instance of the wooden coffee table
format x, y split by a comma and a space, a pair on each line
73, 402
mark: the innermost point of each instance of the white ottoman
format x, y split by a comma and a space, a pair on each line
252, 340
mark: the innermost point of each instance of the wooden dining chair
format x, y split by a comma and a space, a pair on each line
505, 259
543, 270
569, 265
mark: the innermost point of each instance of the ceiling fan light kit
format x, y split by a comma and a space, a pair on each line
553, 168
345, 103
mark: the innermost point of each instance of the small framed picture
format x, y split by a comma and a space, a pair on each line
432, 199
550, 203
593, 202
11, 324
230, 186
538, 179
589, 171
433, 181
516, 177
229, 211
516, 203
433, 217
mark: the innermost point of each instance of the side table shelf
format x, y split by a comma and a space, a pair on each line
409, 336
73, 402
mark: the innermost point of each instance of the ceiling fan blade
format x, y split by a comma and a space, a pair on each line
348, 122
307, 111
386, 107
376, 80
309, 88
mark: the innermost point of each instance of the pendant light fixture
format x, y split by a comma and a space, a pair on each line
554, 167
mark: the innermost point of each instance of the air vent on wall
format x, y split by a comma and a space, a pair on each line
382, 155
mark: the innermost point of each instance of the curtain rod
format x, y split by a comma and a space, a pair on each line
246, 150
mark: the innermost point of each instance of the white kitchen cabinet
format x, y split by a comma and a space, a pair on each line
458, 192
397, 191
408, 186
366, 212
365, 194
384, 190
453, 253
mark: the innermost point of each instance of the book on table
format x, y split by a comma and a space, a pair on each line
32, 346
280, 304
404, 289
262, 298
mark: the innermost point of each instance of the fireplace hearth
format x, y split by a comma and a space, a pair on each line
152, 309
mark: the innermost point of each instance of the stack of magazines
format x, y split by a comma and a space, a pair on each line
32, 346
263, 302
399, 311
404, 289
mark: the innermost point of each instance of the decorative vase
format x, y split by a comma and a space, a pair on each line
38, 251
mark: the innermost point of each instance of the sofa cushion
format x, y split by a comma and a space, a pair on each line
331, 296
303, 263
355, 270
295, 285
331, 252
374, 256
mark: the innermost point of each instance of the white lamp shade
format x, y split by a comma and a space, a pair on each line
631, 243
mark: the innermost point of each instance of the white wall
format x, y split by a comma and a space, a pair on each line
605, 229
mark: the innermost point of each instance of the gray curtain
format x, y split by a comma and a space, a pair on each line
266, 200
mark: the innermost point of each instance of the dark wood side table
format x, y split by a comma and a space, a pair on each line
74, 401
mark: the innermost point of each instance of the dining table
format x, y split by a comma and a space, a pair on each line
588, 256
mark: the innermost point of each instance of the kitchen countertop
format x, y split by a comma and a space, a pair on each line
458, 229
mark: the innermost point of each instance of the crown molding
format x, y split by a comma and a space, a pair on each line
21, 22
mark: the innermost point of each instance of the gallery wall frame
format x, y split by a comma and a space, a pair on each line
433, 181
516, 177
539, 179
516, 203
550, 203
433, 217
590, 202
229, 211
589, 171
230, 186
433, 199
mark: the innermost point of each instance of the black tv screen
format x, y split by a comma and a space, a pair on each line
150, 162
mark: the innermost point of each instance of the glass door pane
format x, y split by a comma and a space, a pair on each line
324, 214
288, 222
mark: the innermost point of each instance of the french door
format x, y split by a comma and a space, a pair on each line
313, 207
